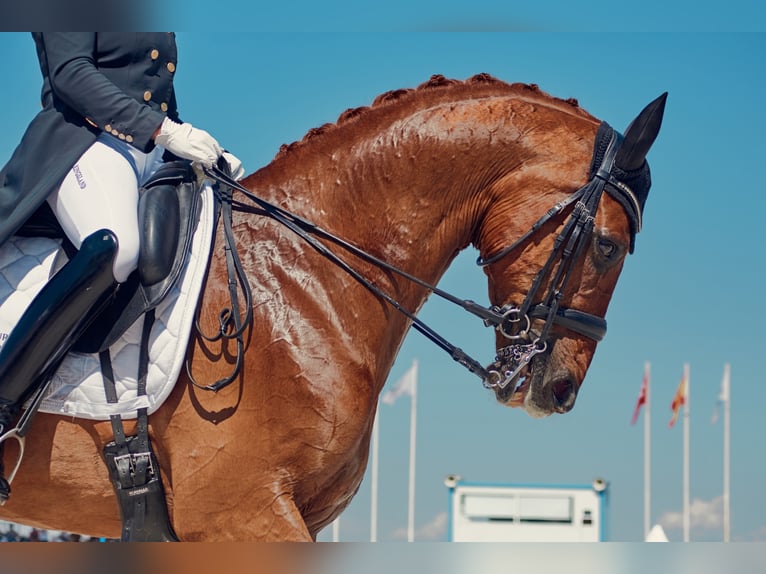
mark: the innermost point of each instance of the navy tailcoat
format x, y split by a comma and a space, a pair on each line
93, 83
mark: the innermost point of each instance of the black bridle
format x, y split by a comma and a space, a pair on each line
513, 322
568, 245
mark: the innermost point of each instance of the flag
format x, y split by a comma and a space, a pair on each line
641, 396
679, 399
404, 386
723, 395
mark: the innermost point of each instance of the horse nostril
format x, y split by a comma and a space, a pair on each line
564, 394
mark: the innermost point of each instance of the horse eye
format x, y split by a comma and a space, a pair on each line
606, 248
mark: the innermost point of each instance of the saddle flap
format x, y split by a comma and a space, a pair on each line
77, 388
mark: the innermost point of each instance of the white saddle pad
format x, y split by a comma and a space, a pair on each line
77, 388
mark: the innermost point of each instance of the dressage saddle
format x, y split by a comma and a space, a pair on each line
168, 211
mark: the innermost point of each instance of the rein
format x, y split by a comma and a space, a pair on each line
513, 322
231, 325
308, 231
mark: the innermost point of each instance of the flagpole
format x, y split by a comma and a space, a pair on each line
687, 516
647, 454
374, 481
726, 453
413, 411
336, 530
407, 385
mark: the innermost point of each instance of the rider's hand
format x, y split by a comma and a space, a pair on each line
235, 166
188, 142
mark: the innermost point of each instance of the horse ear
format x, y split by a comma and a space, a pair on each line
640, 135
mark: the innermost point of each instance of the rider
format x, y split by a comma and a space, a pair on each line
108, 120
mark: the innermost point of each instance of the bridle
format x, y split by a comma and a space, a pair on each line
568, 245
512, 322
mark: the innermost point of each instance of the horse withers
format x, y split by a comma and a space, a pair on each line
412, 180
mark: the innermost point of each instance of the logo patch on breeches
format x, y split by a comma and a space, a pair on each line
79, 176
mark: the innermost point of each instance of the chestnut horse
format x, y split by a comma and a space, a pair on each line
412, 180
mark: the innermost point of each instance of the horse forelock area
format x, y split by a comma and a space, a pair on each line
437, 89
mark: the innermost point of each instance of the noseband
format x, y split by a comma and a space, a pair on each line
513, 322
516, 321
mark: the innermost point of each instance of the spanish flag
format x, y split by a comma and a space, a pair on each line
679, 399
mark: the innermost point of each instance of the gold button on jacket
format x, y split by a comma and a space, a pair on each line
60, 133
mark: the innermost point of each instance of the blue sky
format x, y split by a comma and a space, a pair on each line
691, 292
459, 15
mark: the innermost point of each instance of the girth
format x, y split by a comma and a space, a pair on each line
133, 467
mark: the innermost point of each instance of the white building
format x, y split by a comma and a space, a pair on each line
496, 512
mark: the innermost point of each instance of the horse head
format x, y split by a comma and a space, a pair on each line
554, 293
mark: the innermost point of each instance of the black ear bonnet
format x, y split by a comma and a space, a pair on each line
629, 188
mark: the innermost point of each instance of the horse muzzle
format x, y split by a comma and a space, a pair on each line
539, 388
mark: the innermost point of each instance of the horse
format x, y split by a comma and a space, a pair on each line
411, 180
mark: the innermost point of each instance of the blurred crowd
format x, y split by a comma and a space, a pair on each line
10, 532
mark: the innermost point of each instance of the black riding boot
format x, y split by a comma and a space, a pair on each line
50, 326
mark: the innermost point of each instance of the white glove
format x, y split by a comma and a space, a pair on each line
188, 142
235, 166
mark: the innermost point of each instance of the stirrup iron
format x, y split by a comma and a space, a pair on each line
19, 434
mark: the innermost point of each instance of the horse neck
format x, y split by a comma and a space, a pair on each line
405, 217
411, 188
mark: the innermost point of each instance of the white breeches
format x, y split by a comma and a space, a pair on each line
101, 192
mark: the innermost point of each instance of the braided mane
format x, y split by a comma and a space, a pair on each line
437, 84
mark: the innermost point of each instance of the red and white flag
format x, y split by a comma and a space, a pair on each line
641, 396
